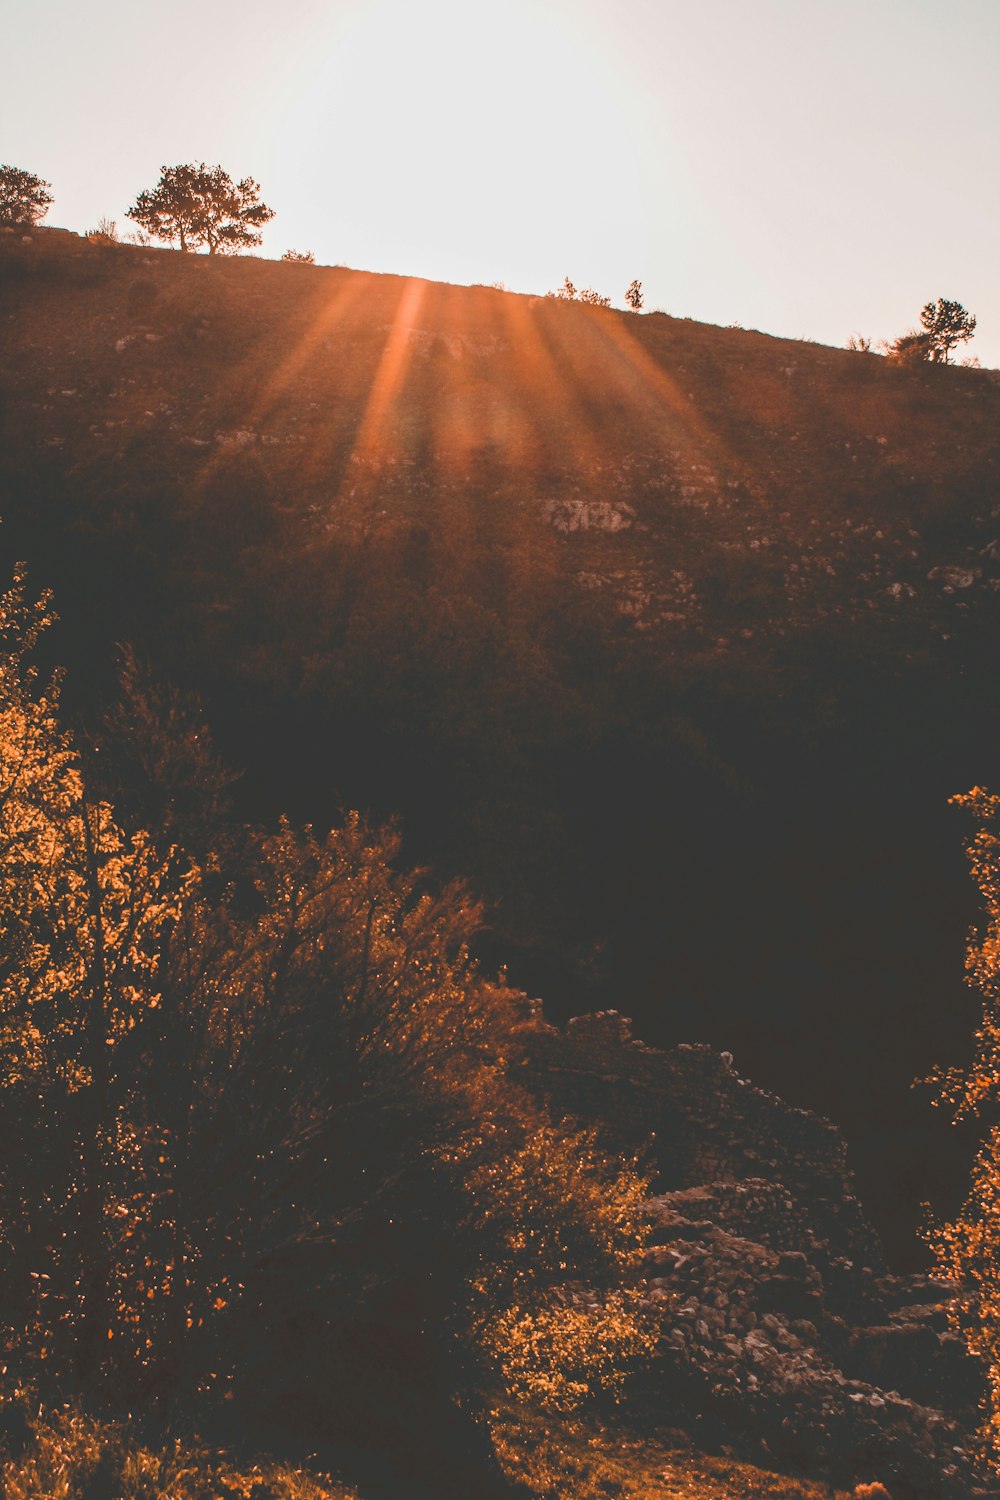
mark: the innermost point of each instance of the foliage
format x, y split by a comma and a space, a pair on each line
262, 1113
84, 913
947, 324
569, 293
859, 343
550, 1209
199, 205
633, 296
106, 232
65, 1455
24, 198
911, 348
944, 325
968, 1248
583, 1458
300, 257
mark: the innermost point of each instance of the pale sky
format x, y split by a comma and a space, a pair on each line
810, 168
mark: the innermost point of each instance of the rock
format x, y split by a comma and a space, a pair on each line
954, 577
588, 515
778, 1319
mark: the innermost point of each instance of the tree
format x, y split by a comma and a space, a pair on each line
266, 1139
84, 911
633, 296
198, 205
24, 198
967, 1250
946, 324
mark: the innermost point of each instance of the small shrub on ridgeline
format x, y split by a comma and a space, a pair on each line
300, 257
569, 293
106, 233
909, 349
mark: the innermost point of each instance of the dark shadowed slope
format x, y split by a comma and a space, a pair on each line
675, 639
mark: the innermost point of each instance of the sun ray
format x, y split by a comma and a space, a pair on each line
372, 432
670, 418
556, 425
319, 330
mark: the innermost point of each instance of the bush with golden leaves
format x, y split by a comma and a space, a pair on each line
967, 1249
267, 1117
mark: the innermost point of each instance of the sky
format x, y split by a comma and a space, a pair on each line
810, 168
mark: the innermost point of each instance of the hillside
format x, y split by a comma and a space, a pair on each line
673, 639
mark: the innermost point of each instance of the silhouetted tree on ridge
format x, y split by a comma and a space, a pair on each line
202, 206
945, 325
24, 198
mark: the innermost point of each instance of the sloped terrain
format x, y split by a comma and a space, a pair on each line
781, 1333
674, 639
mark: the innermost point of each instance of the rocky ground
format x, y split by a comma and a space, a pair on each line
819, 1359
782, 1332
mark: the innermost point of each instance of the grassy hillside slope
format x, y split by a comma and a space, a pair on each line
674, 639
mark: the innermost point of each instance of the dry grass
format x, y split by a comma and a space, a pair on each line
67, 1450
551, 1458
589, 1461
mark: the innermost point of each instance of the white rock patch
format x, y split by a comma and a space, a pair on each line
588, 515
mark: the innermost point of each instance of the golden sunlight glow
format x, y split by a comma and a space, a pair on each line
453, 379
448, 130
372, 434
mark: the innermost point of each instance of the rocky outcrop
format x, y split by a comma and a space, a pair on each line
778, 1318
778, 1345
573, 514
